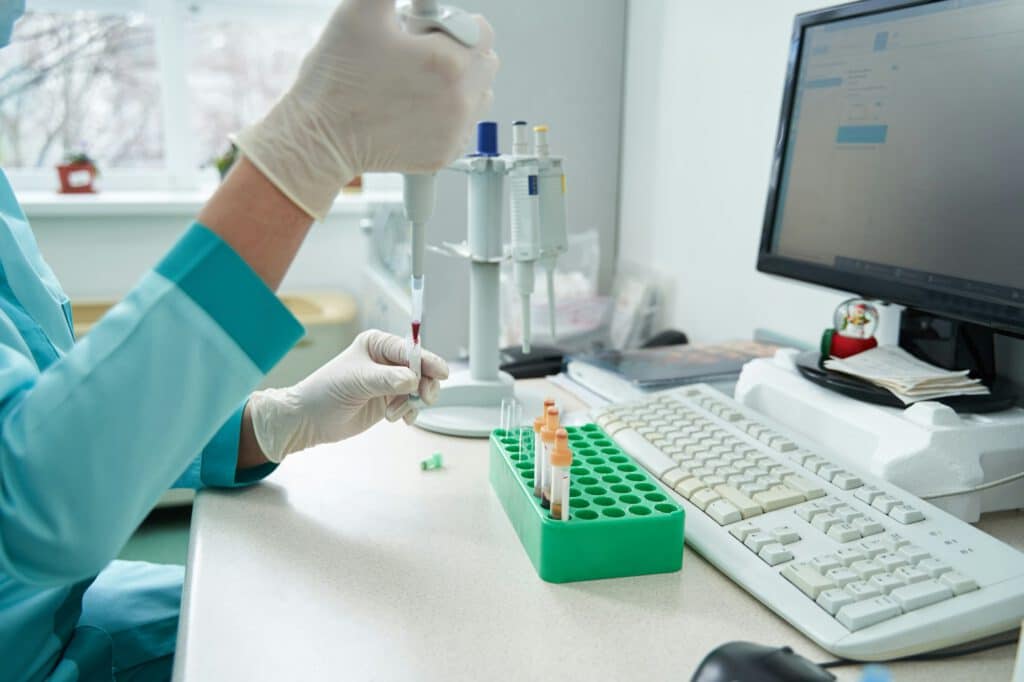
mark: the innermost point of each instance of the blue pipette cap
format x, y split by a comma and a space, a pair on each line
486, 138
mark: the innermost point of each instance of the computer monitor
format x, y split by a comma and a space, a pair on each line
899, 167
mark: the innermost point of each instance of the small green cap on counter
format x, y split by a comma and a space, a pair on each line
435, 461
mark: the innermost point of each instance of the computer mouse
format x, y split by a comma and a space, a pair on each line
749, 662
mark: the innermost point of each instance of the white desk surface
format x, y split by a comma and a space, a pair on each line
350, 562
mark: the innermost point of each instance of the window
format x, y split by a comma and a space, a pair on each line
149, 88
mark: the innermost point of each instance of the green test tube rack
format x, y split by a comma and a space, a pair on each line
622, 522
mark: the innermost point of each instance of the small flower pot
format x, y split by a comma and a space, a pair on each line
77, 178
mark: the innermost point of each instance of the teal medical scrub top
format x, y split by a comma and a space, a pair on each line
92, 433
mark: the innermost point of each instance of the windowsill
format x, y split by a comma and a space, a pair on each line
164, 203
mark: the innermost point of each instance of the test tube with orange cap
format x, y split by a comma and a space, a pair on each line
538, 456
538, 448
547, 436
561, 460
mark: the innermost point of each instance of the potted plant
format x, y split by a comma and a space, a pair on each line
77, 174
225, 161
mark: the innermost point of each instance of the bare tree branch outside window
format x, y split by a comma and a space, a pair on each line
80, 81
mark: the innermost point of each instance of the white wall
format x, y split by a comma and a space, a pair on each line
103, 257
703, 90
702, 95
561, 64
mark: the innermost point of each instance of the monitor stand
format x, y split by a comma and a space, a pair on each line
942, 342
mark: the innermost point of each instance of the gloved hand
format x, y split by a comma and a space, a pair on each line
370, 97
369, 380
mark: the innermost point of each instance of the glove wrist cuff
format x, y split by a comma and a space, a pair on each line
288, 147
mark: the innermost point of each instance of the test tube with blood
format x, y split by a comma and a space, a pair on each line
561, 460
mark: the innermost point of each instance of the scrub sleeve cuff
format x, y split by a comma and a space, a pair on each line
220, 282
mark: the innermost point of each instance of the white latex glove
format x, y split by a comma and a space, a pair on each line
370, 97
368, 381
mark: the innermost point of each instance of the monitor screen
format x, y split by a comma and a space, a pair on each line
900, 162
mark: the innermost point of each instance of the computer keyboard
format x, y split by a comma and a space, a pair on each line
865, 569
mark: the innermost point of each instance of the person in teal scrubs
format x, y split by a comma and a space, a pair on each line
159, 394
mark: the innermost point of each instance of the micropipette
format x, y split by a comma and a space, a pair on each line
525, 220
554, 240
426, 16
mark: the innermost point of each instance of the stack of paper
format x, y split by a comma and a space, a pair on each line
906, 377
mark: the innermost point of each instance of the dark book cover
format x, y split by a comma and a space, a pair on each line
678, 365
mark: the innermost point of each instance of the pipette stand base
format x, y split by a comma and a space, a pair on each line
926, 449
472, 408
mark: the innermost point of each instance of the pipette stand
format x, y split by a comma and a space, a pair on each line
470, 401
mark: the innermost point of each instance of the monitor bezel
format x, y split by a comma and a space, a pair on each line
962, 307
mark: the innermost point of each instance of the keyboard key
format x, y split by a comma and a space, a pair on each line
808, 511
785, 535
674, 476
934, 567
807, 488
846, 481
867, 494
847, 513
913, 553
758, 541
835, 599
723, 512
778, 498
824, 521
774, 554
905, 515
861, 590
813, 462
742, 531
828, 471
871, 547
893, 542
866, 568
886, 582
891, 561
746, 506
754, 488
921, 594
842, 576
832, 504
868, 527
781, 444
825, 563
884, 503
713, 480
689, 486
849, 555
866, 613
910, 575
807, 579
843, 532
703, 497
959, 582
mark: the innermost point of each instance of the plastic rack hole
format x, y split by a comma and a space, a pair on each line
640, 510
613, 512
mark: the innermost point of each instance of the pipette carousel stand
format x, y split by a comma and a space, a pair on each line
470, 401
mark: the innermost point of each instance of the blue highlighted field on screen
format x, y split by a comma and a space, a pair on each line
874, 134
824, 83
